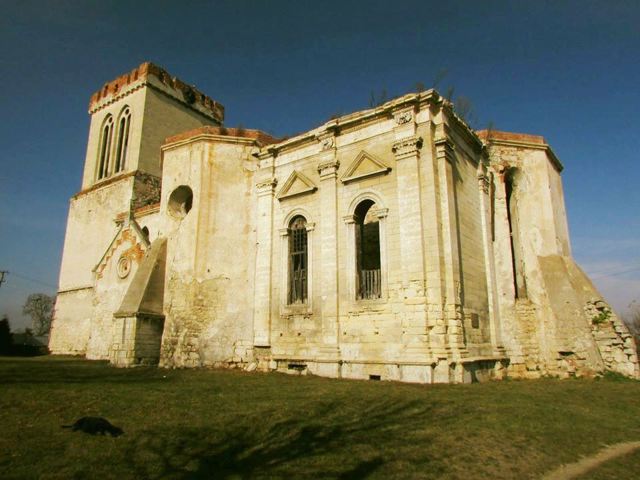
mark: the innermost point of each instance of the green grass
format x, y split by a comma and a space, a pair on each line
228, 424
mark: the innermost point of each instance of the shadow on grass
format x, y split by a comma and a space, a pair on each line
52, 370
324, 445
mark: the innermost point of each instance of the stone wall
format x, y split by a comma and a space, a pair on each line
209, 321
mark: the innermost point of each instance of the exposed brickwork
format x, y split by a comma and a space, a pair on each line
146, 190
260, 137
510, 136
189, 94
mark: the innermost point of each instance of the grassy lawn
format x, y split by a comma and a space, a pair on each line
227, 424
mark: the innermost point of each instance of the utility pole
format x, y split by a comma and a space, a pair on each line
2, 275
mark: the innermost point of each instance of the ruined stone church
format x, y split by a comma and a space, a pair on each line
393, 243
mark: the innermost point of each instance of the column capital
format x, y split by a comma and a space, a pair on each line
484, 181
381, 213
267, 187
349, 219
328, 169
407, 147
445, 149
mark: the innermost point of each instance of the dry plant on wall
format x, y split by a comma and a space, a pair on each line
632, 319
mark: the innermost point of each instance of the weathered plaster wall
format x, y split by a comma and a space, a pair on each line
208, 321
164, 116
113, 276
449, 308
90, 230
71, 326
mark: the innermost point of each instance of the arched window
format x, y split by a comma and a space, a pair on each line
367, 238
104, 151
298, 261
123, 139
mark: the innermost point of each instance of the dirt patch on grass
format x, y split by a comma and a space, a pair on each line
574, 470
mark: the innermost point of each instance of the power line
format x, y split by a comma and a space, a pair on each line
611, 268
613, 274
33, 280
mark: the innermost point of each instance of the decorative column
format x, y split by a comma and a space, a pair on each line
328, 170
264, 236
453, 287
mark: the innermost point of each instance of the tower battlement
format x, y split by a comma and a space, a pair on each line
151, 75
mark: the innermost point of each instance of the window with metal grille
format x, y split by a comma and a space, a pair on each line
298, 261
368, 275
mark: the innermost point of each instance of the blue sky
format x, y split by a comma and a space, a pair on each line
567, 70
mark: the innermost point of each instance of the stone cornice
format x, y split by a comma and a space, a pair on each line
208, 137
461, 127
75, 289
531, 146
104, 183
383, 112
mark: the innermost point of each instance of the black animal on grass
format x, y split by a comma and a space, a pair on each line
95, 426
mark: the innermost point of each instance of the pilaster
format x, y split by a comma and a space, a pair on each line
453, 287
407, 152
412, 253
485, 193
328, 171
264, 235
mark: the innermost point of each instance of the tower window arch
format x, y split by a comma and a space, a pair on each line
123, 140
298, 261
104, 152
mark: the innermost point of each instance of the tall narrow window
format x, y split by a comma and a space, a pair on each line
105, 147
123, 140
298, 267
367, 237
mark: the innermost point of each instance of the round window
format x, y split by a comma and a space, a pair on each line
180, 201
124, 267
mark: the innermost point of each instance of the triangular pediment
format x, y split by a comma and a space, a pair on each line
128, 233
296, 184
364, 166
